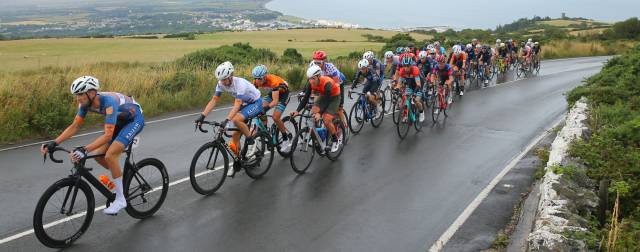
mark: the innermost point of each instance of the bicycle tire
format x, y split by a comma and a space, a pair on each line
288, 121
403, 125
417, 124
376, 121
44, 235
333, 156
395, 114
209, 168
265, 149
300, 146
356, 124
143, 181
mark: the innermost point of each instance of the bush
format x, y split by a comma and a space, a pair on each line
238, 54
612, 152
291, 56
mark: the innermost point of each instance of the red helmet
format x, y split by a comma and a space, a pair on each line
440, 58
319, 55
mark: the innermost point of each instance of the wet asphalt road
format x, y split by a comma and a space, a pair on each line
382, 195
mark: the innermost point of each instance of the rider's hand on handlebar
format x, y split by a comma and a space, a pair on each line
294, 113
200, 119
77, 154
48, 147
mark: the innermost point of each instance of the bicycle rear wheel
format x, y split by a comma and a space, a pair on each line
55, 204
302, 151
209, 168
292, 128
259, 155
417, 124
340, 130
379, 116
141, 186
387, 97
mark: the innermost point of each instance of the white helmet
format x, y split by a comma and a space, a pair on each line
368, 55
536, 43
530, 40
314, 71
422, 54
498, 41
83, 84
430, 46
502, 44
363, 63
474, 40
479, 46
469, 46
436, 44
456, 49
388, 54
224, 70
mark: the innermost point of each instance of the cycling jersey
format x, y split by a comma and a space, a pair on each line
123, 116
276, 83
502, 52
536, 49
484, 56
372, 78
325, 88
426, 67
330, 70
443, 73
240, 89
458, 60
273, 82
471, 54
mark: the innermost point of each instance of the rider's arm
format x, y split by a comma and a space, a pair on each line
70, 130
305, 99
110, 120
275, 95
211, 104
355, 79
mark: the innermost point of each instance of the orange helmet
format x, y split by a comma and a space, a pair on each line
319, 55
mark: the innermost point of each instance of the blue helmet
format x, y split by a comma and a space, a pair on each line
407, 61
259, 71
399, 50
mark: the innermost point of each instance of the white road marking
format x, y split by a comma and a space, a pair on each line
444, 238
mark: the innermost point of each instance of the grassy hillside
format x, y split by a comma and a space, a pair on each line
36, 53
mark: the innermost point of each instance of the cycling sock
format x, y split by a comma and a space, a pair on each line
119, 189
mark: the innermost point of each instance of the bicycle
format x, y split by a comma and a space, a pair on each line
362, 111
408, 114
139, 184
250, 158
440, 103
310, 141
276, 135
525, 72
387, 91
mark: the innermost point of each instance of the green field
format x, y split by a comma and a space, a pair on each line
36, 53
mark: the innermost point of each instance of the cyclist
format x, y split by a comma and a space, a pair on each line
459, 63
375, 63
409, 75
536, 52
391, 63
526, 54
444, 73
373, 82
439, 49
247, 104
503, 54
326, 102
425, 64
277, 98
484, 61
331, 71
123, 121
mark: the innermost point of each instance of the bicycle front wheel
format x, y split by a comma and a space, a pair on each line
403, 123
146, 188
64, 199
357, 117
302, 151
379, 116
209, 168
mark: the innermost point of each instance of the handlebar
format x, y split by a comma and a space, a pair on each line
55, 160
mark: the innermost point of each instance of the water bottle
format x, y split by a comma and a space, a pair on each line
322, 132
107, 182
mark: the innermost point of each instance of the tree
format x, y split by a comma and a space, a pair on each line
291, 56
628, 29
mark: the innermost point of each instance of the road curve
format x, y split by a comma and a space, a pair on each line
382, 195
